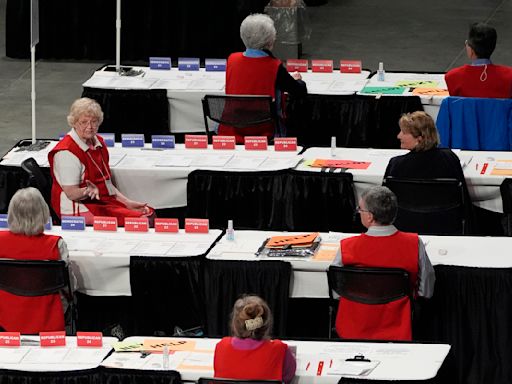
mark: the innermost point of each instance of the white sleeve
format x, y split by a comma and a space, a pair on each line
68, 170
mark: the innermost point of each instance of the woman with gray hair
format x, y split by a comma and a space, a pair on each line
25, 240
257, 72
250, 354
82, 179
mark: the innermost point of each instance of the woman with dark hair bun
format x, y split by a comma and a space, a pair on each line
250, 354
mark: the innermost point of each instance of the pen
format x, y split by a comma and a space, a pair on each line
476, 166
330, 364
151, 149
307, 366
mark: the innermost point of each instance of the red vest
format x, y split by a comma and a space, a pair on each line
94, 165
250, 76
30, 315
390, 321
465, 81
263, 363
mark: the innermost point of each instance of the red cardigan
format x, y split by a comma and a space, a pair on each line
30, 315
390, 321
466, 81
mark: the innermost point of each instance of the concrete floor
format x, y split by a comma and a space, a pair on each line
405, 35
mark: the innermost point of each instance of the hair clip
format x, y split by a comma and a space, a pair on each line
252, 324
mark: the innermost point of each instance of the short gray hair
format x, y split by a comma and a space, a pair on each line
381, 203
258, 32
84, 106
28, 212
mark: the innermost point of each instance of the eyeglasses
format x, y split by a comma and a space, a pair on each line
85, 123
359, 209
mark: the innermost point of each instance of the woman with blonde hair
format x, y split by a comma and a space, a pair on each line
251, 354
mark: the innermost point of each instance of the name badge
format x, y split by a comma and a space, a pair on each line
196, 141
52, 339
321, 66
215, 65
136, 224
110, 187
223, 142
132, 140
167, 225
258, 143
197, 225
298, 65
3, 220
285, 144
160, 63
188, 63
89, 339
10, 339
162, 141
109, 139
350, 66
72, 223
105, 223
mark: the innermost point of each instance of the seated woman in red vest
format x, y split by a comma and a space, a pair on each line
250, 354
82, 179
257, 72
382, 246
25, 240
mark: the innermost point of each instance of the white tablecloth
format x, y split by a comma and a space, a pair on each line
315, 360
483, 188
310, 278
101, 260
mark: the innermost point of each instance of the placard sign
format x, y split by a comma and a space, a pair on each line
136, 224
197, 225
258, 143
215, 65
52, 339
160, 63
109, 138
167, 225
162, 141
285, 144
188, 63
350, 66
3, 220
10, 339
89, 339
132, 140
72, 223
321, 65
223, 142
105, 223
196, 141
299, 65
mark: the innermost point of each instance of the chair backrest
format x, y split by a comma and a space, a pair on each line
38, 180
208, 380
368, 285
33, 277
239, 111
506, 198
429, 206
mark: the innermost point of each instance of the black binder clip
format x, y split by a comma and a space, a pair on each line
358, 358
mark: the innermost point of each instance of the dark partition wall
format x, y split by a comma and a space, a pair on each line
85, 29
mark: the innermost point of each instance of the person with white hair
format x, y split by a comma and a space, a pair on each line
82, 179
257, 72
25, 240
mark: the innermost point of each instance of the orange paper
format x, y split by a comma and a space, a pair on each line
430, 92
349, 164
281, 241
327, 252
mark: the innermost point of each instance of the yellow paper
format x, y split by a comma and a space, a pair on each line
124, 346
417, 83
157, 345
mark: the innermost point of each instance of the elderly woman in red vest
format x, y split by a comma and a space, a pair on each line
257, 72
25, 240
82, 179
250, 354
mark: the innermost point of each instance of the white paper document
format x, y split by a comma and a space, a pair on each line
49, 355
154, 248
85, 355
174, 161
239, 162
188, 249
213, 160
12, 355
351, 368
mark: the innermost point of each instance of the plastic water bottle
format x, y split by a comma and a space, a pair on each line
333, 146
381, 74
230, 232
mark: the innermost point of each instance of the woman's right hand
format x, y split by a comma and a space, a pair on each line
91, 191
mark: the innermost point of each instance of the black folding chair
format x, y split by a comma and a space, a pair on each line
239, 111
429, 206
366, 286
37, 278
506, 197
38, 180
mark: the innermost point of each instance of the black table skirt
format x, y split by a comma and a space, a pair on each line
87, 376
85, 29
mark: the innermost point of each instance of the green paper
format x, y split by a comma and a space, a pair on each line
383, 90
